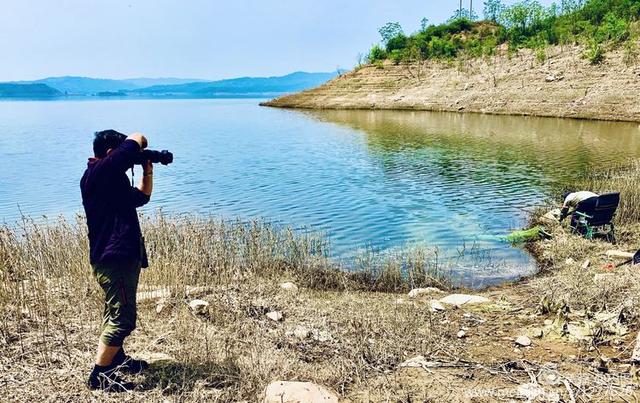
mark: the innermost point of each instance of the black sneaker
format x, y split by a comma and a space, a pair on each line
125, 363
106, 379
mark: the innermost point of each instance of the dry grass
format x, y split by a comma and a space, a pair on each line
50, 307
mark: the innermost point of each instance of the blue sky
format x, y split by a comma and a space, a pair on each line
197, 38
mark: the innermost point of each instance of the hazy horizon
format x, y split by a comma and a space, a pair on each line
199, 39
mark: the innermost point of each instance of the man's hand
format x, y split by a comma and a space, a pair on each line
139, 138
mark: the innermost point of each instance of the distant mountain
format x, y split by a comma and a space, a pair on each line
84, 85
69, 85
11, 90
245, 85
148, 82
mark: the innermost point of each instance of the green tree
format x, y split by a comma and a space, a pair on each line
424, 23
390, 30
493, 9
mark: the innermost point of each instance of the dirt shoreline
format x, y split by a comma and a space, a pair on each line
564, 85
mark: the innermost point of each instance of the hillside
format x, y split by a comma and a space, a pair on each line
245, 85
565, 84
69, 85
8, 90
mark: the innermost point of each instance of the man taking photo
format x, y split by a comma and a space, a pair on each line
116, 248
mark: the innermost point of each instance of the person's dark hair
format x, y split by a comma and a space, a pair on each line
105, 140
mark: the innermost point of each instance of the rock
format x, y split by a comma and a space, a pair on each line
586, 264
550, 78
549, 378
619, 254
289, 286
537, 332
160, 305
461, 334
274, 316
297, 392
569, 261
198, 306
523, 341
464, 299
416, 292
436, 306
399, 301
548, 322
301, 332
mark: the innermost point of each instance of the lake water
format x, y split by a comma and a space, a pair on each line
370, 179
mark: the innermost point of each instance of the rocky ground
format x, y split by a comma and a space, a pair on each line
565, 84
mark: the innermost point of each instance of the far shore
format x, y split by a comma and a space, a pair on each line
565, 85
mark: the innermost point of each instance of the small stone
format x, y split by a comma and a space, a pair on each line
586, 264
292, 392
289, 286
548, 322
160, 305
537, 333
274, 316
416, 292
461, 334
400, 301
523, 341
569, 261
436, 306
464, 299
198, 306
301, 332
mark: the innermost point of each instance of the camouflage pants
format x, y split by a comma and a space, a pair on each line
119, 281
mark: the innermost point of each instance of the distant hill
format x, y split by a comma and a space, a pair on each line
10, 90
69, 85
85, 85
245, 85
148, 82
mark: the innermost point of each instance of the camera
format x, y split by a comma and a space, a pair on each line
163, 157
